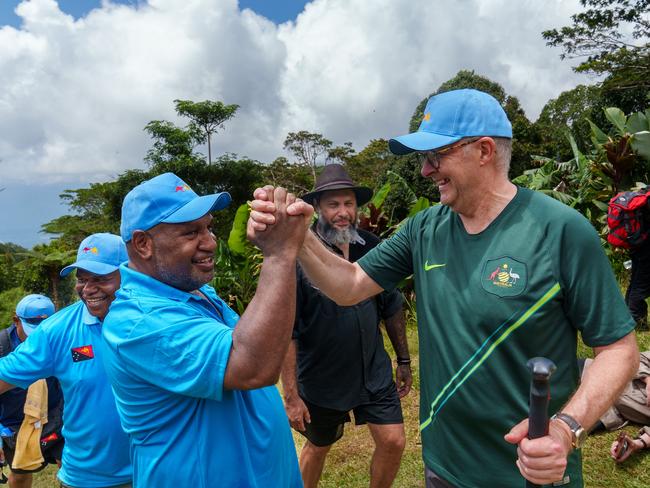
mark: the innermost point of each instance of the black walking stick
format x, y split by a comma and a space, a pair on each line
541, 370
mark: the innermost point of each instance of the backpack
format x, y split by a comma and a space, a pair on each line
626, 219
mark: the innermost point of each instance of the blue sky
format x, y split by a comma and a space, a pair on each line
79, 81
276, 10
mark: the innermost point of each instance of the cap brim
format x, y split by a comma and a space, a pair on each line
94, 267
363, 194
198, 207
420, 141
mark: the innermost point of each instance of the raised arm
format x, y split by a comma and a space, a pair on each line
263, 333
344, 282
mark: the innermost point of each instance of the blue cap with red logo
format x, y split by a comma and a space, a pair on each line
452, 116
165, 199
100, 254
32, 310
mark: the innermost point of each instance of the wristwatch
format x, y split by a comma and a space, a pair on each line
578, 433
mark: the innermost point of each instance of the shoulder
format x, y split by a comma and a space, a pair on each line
555, 214
64, 319
371, 239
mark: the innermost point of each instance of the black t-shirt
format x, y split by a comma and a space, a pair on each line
341, 358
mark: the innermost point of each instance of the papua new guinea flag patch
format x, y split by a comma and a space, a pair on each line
83, 353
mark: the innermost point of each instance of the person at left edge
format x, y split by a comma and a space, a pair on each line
30, 311
68, 345
194, 382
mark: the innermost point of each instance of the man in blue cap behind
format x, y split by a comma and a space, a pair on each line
68, 345
30, 312
194, 382
502, 274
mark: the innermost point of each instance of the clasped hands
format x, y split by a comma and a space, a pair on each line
278, 220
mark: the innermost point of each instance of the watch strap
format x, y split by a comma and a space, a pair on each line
577, 431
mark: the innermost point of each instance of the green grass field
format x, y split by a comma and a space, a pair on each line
348, 462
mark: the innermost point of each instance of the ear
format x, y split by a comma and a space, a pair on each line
488, 150
141, 246
19, 327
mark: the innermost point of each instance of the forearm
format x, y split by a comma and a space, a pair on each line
344, 282
288, 373
604, 381
4, 386
263, 333
396, 330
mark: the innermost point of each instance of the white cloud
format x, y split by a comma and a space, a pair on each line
75, 94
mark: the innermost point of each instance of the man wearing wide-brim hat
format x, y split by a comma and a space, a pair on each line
336, 361
502, 274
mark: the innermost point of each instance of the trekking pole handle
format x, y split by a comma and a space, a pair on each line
541, 370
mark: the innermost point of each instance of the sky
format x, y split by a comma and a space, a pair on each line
79, 79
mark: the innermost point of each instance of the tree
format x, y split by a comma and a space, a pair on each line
296, 178
613, 37
46, 261
307, 147
172, 143
569, 113
206, 117
370, 164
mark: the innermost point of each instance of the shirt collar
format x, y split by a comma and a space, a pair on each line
88, 318
146, 285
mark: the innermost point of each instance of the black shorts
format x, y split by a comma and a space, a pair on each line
326, 425
51, 448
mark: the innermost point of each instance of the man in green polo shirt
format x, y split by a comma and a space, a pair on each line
502, 274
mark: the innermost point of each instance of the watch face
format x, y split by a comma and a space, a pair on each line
580, 437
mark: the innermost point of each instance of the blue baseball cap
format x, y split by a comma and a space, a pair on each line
99, 254
451, 116
165, 199
32, 310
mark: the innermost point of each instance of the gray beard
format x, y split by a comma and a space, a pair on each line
338, 237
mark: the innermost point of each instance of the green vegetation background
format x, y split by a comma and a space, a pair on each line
587, 144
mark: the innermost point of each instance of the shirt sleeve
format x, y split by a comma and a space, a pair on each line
392, 260
187, 356
30, 361
593, 299
389, 303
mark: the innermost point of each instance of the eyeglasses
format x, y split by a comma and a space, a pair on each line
434, 157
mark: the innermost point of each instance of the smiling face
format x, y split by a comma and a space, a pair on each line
183, 254
338, 208
455, 175
97, 291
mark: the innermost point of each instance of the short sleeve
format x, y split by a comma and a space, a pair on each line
392, 260
593, 299
389, 303
187, 357
30, 361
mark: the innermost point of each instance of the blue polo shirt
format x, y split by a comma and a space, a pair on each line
166, 357
69, 346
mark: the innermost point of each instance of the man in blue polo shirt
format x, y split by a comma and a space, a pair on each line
194, 381
68, 346
30, 312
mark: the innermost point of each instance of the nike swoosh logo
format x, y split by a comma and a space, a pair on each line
429, 267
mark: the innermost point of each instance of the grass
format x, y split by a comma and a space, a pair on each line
348, 462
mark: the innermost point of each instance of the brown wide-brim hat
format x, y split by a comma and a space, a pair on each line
334, 177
